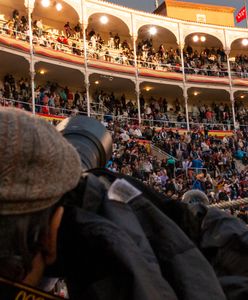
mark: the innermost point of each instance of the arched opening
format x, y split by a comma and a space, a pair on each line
163, 103
204, 55
109, 39
57, 30
157, 48
239, 59
239, 47
210, 107
52, 19
113, 96
14, 81
8, 7
241, 107
64, 88
13, 18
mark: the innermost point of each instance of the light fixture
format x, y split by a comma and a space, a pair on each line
203, 39
148, 89
97, 82
245, 42
42, 72
104, 20
195, 93
153, 30
45, 3
242, 97
195, 38
59, 6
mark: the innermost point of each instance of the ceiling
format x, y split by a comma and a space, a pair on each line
211, 41
208, 95
113, 84
71, 78
13, 64
163, 36
114, 25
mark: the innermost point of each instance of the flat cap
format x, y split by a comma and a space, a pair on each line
37, 165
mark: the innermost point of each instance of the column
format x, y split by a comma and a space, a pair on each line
181, 46
87, 87
233, 108
137, 91
185, 95
32, 75
137, 87
231, 87
87, 82
185, 89
30, 7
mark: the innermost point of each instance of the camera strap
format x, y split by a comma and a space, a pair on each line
17, 291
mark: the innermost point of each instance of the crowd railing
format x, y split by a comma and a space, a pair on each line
49, 39
52, 39
99, 110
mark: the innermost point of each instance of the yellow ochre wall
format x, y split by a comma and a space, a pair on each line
188, 12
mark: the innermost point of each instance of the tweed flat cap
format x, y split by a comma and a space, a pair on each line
37, 165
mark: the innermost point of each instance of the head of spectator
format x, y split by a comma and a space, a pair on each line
37, 167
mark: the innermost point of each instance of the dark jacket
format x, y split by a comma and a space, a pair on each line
148, 248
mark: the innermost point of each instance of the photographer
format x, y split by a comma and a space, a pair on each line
108, 235
37, 166
96, 257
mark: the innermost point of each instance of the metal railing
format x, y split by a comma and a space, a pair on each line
47, 39
51, 39
100, 111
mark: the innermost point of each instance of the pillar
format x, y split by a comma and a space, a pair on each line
231, 87
185, 95
137, 91
30, 6
87, 87
233, 108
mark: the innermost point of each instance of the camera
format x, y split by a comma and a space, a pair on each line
91, 139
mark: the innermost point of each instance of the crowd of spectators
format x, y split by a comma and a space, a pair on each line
192, 161
208, 61
51, 98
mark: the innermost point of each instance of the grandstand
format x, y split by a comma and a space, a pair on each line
141, 72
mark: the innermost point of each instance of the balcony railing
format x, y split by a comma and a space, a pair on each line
51, 43
99, 111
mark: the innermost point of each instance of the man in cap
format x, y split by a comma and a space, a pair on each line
37, 167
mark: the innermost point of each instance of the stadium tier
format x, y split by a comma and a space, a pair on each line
189, 72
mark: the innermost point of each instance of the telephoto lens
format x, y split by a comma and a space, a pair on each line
91, 139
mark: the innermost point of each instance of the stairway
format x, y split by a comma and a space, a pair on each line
155, 151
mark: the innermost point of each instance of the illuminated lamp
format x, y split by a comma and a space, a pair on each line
153, 30
45, 3
97, 82
59, 6
104, 20
195, 38
245, 42
203, 39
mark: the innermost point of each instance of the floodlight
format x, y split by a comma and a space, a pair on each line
45, 3
245, 42
59, 6
104, 20
153, 30
195, 38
